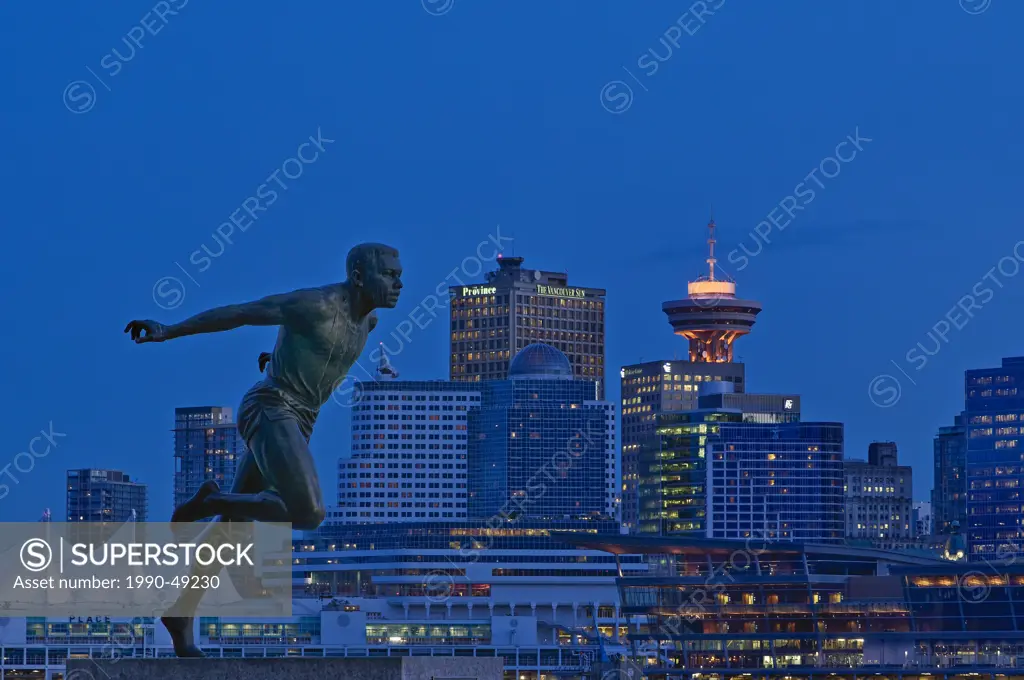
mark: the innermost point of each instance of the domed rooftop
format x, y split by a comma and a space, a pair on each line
539, 361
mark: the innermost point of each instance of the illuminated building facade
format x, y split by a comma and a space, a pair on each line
879, 499
994, 410
408, 461
735, 473
648, 390
711, 610
104, 496
541, 445
949, 497
711, 318
515, 307
207, 445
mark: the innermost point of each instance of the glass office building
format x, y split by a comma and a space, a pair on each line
994, 411
949, 497
539, 444
729, 473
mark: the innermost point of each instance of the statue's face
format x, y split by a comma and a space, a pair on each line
383, 282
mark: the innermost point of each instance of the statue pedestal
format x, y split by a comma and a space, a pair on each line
283, 668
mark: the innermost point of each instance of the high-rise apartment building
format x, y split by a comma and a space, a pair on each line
994, 409
408, 461
541, 444
711, 318
104, 496
949, 497
207, 445
879, 499
515, 307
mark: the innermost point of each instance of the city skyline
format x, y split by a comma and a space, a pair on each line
920, 213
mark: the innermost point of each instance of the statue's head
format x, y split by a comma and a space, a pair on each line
375, 270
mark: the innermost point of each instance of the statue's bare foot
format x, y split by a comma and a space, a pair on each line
194, 509
180, 629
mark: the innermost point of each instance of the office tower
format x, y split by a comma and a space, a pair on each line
922, 514
408, 461
207, 445
711, 318
492, 321
741, 465
993, 413
104, 496
949, 497
539, 445
879, 499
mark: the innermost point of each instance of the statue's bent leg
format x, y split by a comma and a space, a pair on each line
280, 450
248, 480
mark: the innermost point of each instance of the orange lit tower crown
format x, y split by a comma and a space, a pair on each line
711, 317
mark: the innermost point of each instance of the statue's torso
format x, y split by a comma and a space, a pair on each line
310, 360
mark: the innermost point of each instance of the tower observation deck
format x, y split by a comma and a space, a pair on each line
711, 317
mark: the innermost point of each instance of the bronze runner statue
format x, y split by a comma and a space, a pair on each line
322, 333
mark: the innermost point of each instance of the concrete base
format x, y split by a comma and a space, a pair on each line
379, 668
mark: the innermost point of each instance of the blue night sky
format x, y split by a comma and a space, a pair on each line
446, 125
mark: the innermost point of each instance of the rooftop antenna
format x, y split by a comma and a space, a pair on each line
711, 246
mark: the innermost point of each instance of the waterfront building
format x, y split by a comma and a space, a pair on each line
514, 307
103, 496
711, 318
879, 499
542, 444
408, 460
555, 599
994, 409
767, 609
207, 445
949, 497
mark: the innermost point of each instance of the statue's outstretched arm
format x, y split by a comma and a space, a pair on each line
274, 310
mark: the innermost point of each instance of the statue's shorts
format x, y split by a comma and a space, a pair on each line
264, 405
